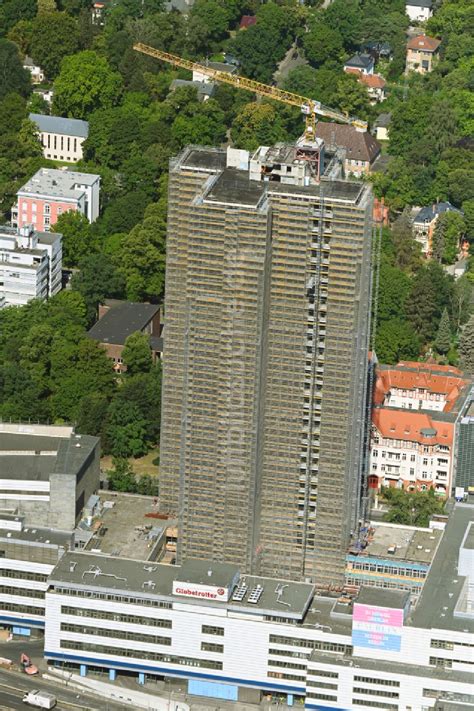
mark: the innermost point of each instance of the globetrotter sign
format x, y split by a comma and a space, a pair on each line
203, 592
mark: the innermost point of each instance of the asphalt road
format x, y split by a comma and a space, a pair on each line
14, 684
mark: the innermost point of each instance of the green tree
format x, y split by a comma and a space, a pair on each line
462, 300
394, 287
142, 259
122, 213
38, 105
54, 36
46, 6
86, 83
323, 45
412, 509
125, 430
468, 210
92, 414
77, 240
443, 336
346, 17
112, 133
466, 347
13, 11
20, 34
432, 289
262, 46
199, 123
449, 229
13, 78
136, 354
208, 23
144, 391
351, 97
396, 184
79, 367
257, 124
29, 139
396, 340
122, 477
96, 280
147, 485
407, 249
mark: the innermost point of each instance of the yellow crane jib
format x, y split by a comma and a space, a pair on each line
309, 107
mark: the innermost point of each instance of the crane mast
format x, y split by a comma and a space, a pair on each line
309, 107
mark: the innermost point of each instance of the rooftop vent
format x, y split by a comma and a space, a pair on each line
72, 566
240, 592
255, 594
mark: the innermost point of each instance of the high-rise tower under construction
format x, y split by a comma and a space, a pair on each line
265, 363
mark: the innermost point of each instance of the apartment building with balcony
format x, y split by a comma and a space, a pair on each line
414, 426
50, 193
30, 265
265, 359
61, 138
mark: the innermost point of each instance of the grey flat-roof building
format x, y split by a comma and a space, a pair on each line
265, 361
47, 473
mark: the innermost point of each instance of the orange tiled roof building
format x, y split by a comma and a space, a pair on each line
416, 406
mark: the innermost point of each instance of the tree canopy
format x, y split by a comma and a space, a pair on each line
13, 78
85, 83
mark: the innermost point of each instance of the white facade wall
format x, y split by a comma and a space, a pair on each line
374, 686
415, 399
418, 13
24, 490
89, 203
58, 146
26, 273
20, 606
246, 657
408, 462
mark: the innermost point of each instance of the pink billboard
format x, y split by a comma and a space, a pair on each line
378, 615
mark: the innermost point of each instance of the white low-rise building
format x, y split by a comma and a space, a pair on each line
37, 74
30, 264
419, 10
61, 138
236, 637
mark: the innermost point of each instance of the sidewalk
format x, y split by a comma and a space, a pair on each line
154, 695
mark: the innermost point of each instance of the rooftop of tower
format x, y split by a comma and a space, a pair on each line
231, 182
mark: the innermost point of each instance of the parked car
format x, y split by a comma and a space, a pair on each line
27, 665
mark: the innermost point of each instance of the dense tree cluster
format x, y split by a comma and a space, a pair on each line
50, 370
420, 308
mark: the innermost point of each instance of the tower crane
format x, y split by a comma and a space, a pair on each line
309, 107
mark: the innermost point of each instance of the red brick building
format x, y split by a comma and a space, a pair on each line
118, 320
